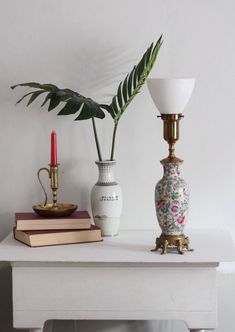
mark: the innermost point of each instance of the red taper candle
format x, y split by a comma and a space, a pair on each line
53, 149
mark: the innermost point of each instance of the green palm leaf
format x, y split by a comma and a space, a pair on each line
34, 96
72, 101
131, 85
133, 82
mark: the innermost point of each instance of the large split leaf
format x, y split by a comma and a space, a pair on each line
72, 101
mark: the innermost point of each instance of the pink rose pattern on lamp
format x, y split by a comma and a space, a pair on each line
172, 200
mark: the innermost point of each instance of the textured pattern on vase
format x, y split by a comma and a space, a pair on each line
171, 200
106, 173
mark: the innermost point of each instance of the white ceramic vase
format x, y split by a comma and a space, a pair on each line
106, 200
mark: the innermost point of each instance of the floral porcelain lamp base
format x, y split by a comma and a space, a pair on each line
180, 242
171, 201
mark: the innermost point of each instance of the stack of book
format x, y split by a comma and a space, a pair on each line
36, 231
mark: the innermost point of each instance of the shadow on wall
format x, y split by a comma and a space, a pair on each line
100, 69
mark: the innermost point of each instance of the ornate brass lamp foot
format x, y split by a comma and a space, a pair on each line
180, 242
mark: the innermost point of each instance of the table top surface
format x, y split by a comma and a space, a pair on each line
132, 246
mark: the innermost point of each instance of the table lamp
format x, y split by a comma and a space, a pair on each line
171, 192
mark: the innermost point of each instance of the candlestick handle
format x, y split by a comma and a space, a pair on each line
53, 209
40, 181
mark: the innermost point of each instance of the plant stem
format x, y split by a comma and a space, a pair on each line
113, 141
96, 139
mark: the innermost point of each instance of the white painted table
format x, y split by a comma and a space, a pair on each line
117, 279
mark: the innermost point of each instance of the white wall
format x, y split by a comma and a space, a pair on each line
89, 46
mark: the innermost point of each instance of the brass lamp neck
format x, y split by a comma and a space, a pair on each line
171, 134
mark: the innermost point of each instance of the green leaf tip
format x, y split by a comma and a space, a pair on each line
133, 82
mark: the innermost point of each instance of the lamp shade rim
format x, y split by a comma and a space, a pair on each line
171, 78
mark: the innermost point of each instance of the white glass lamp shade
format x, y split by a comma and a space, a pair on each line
170, 95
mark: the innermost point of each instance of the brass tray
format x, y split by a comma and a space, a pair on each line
60, 210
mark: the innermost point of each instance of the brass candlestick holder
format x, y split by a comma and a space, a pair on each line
53, 209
